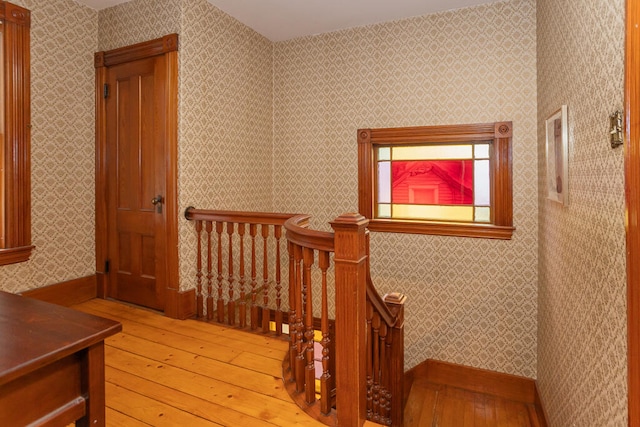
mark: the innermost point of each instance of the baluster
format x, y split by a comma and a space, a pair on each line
383, 374
387, 377
199, 297
375, 339
253, 230
219, 228
231, 304
294, 270
300, 347
309, 259
369, 317
266, 315
209, 228
325, 379
243, 303
278, 235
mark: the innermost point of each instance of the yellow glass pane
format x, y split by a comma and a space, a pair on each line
428, 152
431, 212
483, 214
384, 153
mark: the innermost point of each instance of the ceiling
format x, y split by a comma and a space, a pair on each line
286, 19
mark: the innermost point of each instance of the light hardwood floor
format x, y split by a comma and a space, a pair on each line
166, 372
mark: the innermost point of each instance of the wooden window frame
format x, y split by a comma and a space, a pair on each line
499, 134
16, 191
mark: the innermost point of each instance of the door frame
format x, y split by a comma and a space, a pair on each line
177, 303
632, 196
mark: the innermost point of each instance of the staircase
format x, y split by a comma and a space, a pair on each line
270, 274
346, 343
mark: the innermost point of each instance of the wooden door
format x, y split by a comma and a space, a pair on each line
136, 176
136, 219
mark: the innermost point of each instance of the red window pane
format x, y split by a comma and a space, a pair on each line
434, 182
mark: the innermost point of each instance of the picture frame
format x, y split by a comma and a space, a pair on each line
557, 156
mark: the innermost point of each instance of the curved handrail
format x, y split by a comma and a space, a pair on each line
298, 233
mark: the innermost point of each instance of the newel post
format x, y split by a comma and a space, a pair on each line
351, 275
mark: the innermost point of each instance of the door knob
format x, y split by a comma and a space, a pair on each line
157, 202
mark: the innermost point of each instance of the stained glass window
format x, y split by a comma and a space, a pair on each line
448, 180
434, 182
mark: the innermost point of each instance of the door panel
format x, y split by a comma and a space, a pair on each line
136, 175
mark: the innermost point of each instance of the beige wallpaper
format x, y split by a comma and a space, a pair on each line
63, 39
137, 21
470, 301
582, 291
225, 120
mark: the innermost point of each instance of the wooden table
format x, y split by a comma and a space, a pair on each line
51, 364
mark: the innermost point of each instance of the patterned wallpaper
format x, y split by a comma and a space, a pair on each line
137, 21
225, 149
582, 281
63, 39
470, 301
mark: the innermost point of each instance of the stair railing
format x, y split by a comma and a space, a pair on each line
368, 369
238, 268
343, 370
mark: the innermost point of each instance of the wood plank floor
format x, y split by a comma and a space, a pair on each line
439, 405
166, 372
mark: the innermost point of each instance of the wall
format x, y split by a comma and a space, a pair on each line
470, 301
63, 39
137, 21
225, 141
582, 290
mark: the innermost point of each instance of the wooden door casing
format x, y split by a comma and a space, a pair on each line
632, 192
176, 304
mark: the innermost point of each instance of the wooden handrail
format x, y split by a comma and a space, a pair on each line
361, 352
241, 217
298, 233
380, 305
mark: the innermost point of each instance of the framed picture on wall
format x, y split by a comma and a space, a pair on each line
557, 139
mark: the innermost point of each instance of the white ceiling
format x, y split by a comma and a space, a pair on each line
286, 19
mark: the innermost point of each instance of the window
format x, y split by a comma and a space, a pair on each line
15, 172
448, 180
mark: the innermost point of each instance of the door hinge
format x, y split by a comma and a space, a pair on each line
106, 91
106, 266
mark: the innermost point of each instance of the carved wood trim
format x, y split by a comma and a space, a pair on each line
500, 133
632, 194
17, 138
166, 44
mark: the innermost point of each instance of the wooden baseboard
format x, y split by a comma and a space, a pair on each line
66, 293
180, 305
